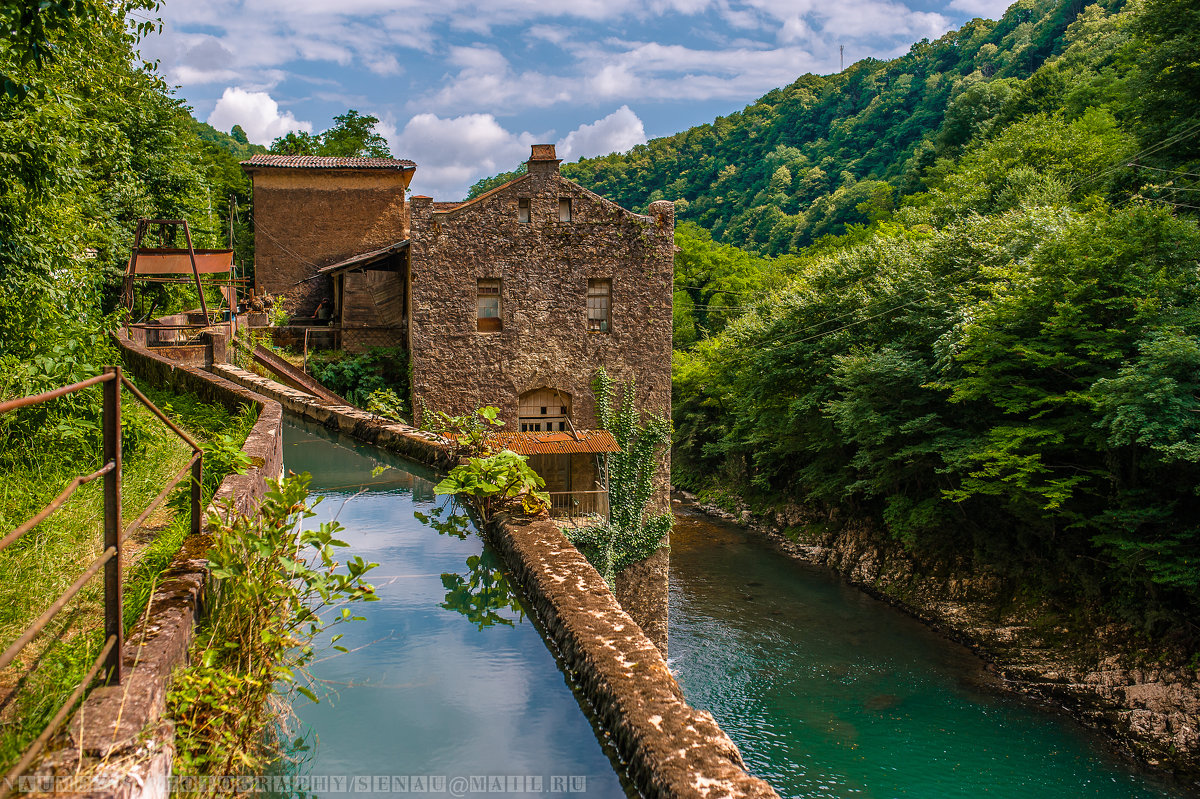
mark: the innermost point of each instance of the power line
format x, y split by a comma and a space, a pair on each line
1129, 161
279, 244
1168, 171
716, 291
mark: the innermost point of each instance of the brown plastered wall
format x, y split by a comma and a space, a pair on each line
670, 748
118, 734
307, 218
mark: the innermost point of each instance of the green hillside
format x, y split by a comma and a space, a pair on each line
799, 162
1001, 370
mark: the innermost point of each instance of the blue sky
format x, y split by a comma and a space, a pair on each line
464, 88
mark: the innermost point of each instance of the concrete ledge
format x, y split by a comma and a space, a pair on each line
121, 725
670, 748
423, 447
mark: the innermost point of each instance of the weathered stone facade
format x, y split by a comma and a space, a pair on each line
543, 266
308, 214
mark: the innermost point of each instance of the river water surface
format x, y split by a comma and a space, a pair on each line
427, 690
831, 693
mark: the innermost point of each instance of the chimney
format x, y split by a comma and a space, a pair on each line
542, 160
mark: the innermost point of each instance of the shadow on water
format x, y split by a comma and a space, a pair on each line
831, 693
448, 676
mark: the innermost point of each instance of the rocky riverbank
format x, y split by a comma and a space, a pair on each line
1149, 706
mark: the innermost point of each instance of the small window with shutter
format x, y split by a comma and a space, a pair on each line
564, 209
599, 306
487, 304
523, 209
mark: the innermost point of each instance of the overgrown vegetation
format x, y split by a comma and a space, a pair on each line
280, 590
1002, 368
631, 533
45, 447
832, 151
378, 376
489, 482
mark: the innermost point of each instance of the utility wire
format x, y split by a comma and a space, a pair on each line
1168, 171
1129, 161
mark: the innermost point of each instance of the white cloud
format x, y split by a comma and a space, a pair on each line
615, 133
486, 80
452, 153
989, 9
464, 60
257, 113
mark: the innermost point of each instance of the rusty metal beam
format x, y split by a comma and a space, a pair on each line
154, 409
114, 623
9, 781
195, 270
16, 646
45, 396
55, 504
158, 500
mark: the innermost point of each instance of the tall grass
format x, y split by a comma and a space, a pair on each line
34, 467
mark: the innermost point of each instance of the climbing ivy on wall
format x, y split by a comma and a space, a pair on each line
632, 533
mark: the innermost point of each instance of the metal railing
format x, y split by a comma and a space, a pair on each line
572, 504
109, 659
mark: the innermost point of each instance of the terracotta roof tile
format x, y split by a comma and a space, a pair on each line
266, 161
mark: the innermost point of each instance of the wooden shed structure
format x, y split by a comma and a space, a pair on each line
370, 297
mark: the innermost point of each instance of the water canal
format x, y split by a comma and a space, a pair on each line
426, 690
828, 692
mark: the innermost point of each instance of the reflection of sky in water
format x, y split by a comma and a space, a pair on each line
423, 691
830, 693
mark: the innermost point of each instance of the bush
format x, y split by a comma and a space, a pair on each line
274, 582
357, 377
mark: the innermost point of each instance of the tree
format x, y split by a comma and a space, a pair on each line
352, 135
296, 142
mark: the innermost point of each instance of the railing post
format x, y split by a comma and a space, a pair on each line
197, 474
113, 623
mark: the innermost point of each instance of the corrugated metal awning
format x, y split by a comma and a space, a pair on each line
584, 442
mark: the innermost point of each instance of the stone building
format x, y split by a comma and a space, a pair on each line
513, 299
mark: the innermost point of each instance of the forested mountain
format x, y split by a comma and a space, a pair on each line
1002, 370
806, 159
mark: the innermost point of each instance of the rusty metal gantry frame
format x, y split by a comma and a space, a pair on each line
131, 275
109, 659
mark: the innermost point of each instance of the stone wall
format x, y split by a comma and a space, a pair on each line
544, 266
307, 218
669, 748
427, 448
